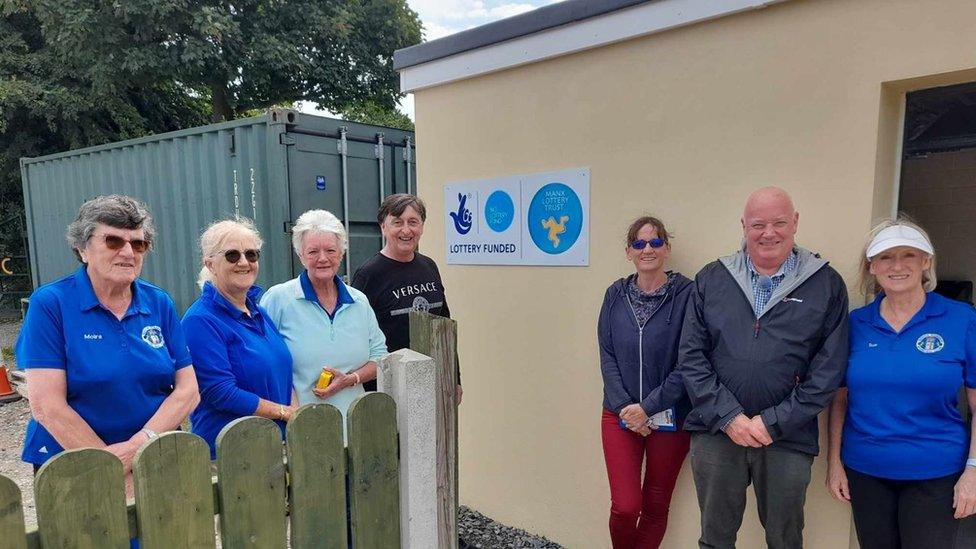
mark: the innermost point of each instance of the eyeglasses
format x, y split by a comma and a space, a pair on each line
640, 243
233, 256
114, 242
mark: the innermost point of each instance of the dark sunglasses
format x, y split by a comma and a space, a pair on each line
114, 242
640, 243
233, 256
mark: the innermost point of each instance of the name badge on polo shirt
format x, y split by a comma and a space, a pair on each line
930, 343
664, 420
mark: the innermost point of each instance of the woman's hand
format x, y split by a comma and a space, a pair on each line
635, 417
837, 482
964, 494
126, 451
289, 412
339, 382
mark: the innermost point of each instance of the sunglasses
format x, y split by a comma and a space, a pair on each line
114, 242
640, 243
233, 256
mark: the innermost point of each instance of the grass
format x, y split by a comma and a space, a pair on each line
7, 353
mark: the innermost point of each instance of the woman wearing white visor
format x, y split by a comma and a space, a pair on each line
899, 451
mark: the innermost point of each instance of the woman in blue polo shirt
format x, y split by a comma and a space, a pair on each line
106, 360
326, 324
243, 365
899, 451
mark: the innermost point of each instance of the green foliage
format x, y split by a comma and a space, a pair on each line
370, 112
243, 55
51, 102
77, 73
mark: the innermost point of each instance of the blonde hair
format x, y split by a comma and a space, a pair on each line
214, 237
867, 283
318, 221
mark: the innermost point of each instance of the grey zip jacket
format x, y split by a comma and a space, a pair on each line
783, 363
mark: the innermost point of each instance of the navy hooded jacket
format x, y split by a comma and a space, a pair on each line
638, 363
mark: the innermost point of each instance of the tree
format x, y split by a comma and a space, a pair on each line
47, 106
76, 73
242, 55
369, 112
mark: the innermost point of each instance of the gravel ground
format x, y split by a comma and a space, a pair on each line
480, 532
13, 421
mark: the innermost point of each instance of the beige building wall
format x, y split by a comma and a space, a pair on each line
806, 94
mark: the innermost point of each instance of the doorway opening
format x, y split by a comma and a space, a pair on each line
938, 180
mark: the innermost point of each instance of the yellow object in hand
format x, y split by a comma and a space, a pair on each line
325, 378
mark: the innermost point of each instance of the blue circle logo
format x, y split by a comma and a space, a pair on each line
929, 343
499, 211
555, 218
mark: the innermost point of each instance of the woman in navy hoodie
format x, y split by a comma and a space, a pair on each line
644, 400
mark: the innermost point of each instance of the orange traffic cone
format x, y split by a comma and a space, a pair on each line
7, 393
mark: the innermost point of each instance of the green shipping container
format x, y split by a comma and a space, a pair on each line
270, 168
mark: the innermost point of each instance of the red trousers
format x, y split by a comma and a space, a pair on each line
639, 514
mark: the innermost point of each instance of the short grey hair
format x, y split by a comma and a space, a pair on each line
121, 212
316, 222
867, 283
215, 236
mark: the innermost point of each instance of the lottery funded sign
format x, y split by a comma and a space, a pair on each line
534, 219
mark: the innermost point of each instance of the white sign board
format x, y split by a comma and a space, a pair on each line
536, 219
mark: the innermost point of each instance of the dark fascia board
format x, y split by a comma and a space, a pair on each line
540, 19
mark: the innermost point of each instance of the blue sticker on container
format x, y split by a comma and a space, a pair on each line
320, 182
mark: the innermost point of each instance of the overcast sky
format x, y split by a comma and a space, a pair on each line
444, 17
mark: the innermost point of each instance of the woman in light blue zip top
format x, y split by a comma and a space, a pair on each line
644, 400
326, 324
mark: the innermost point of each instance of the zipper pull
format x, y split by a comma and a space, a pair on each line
755, 333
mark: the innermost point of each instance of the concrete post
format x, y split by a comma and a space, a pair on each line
409, 377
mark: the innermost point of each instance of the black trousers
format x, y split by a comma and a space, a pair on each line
903, 514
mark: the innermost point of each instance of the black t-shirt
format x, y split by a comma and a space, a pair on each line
395, 288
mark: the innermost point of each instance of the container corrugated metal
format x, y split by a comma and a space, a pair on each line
270, 168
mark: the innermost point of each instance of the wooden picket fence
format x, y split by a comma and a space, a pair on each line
263, 499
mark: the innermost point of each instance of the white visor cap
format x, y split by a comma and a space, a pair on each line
899, 235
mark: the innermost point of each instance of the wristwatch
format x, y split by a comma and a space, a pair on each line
971, 462
151, 434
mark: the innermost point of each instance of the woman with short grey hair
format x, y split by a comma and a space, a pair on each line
113, 210
328, 326
242, 362
318, 222
105, 354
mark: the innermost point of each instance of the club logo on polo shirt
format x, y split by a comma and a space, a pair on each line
930, 343
153, 335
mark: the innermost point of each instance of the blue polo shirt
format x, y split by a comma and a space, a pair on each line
902, 422
118, 372
238, 359
344, 340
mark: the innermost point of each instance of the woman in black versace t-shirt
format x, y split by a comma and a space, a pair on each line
399, 279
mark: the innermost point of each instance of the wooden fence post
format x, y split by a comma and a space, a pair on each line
374, 478
251, 484
174, 492
436, 337
409, 378
80, 499
11, 515
317, 472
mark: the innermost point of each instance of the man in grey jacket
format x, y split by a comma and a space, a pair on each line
763, 347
